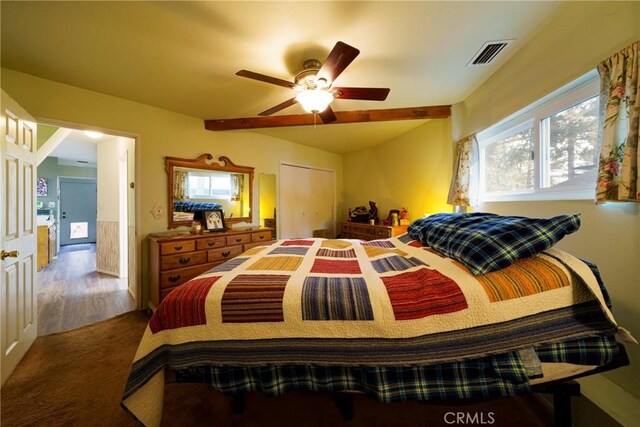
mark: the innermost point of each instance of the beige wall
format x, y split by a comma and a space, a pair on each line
412, 171
159, 133
582, 35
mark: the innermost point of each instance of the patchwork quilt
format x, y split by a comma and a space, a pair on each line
383, 303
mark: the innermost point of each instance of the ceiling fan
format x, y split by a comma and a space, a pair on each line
314, 84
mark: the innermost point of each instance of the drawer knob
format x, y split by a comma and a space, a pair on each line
238, 240
174, 279
261, 237
226, 253
211, 243
184, 260
177, 248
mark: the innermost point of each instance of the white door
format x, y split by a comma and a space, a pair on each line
18, 229
307, 201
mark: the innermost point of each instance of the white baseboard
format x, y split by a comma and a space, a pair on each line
621, 405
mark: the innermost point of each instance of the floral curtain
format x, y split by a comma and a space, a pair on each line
463, 189
618, 128
237, 186
180, 184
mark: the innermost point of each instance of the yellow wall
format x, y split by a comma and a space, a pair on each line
159, 133
412, 171
573, 43
267, 185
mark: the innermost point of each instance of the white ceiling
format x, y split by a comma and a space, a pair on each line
183, 56
77, 149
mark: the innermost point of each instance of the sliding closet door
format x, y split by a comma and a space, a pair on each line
307, 201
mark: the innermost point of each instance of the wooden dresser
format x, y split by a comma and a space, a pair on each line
358, 230
175, 258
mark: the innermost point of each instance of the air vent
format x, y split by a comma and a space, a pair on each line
488, 52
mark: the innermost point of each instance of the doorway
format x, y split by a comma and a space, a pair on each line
93, 276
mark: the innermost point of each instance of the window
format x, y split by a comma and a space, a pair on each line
209, 186
545, 151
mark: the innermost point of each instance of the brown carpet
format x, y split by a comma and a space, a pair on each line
75, 378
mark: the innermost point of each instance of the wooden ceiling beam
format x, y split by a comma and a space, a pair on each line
361, 116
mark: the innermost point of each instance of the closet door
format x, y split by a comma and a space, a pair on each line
307, 201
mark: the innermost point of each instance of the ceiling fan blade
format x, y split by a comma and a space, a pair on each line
328, 116
266, 79
366, 93
281, 106
339, 58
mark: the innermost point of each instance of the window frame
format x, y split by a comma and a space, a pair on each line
574, 93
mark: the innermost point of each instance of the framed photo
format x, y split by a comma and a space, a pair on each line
214, 220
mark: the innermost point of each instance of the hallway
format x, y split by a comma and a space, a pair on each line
72, 294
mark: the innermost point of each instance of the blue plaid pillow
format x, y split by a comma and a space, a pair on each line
486, 242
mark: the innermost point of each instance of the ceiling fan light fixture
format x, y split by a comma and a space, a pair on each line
314, 100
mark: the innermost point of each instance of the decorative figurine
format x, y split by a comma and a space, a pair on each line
373, 212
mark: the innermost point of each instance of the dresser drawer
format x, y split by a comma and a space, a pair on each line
212, 242
263, 236
170, 262
173, 278
382, 233
237, 239
180, 246
224, 253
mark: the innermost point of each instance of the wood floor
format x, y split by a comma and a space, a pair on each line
72, 294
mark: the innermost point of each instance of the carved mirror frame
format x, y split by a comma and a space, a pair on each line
205, 162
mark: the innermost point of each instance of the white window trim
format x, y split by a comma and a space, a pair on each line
567, 96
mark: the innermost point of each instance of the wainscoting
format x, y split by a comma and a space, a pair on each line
108, 247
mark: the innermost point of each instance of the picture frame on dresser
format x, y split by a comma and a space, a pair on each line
214, 220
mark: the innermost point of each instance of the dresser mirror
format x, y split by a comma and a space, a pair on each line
203, 184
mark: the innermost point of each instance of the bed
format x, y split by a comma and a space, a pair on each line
461, 306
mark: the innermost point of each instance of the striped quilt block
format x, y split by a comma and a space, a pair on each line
527, 276
228, 265
254, 251
332, 253
379, 243
374, 251
336, 244
290, 250
254, 298
282, 263
297, 242
184, 306
332, 266
423, 293
336, 298
396, 263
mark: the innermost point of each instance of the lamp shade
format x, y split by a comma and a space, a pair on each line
314, 100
